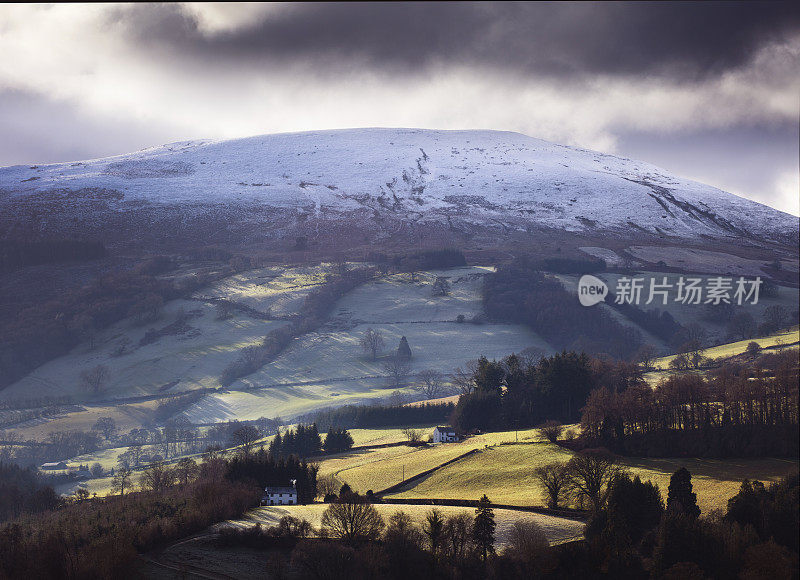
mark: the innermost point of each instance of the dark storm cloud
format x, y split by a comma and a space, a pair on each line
678, 40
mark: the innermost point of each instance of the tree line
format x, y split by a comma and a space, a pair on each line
632, 532
520, 391
744, 410
421, 260
102, 537
375, 416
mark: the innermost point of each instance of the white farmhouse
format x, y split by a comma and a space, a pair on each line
444, 435
280, 495
55, 466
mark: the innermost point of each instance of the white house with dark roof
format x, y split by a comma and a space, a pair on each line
54, 466
280, 495
444, 435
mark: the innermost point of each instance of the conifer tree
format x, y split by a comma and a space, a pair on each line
681, 495
483, 527
403, 350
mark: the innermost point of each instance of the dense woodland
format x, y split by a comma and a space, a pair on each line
522, 293
422, 260
522, 392
744, 409
20, 253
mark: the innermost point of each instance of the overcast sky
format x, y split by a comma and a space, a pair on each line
709, 91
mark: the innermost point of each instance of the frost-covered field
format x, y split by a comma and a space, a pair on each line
174, 363
190, 359
409, 298
319, 369
278, 290
83, 417
329, 367
336, 372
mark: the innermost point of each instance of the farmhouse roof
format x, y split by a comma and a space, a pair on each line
283, 489
54, 465
446, 429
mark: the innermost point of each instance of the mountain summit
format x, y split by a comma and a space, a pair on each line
382, 183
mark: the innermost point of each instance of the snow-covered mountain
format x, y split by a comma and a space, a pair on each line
377, 181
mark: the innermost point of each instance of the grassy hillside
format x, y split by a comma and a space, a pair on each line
175, 363
775, 343
778, 341
378, 469
505, 474
83, 417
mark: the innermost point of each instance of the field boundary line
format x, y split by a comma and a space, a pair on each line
397, 486
575, 515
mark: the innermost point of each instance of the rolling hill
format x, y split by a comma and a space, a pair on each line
374, 185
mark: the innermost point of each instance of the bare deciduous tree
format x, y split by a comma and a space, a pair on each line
157, 477
555, 479
106, 425
742, 326
133, 455
352, 520
457, 536
327, 485
397, 368
591, 473
414, 436
94, 379
552, 430
186, 471
429, 383
121, 480
527, 542
245, 437
775, 317
372, 342
464, 378
646, 356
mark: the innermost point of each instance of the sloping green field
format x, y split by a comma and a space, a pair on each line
505, 474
